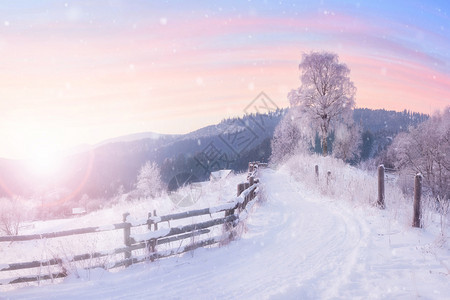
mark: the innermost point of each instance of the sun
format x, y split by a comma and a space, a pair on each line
44, 159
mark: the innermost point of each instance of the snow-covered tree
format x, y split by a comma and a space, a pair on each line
347, 142
326, 96
426, 150
149, 182
286, 139
12, 214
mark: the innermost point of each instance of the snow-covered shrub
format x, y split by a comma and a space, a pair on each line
347, 142
426, 150
287, 138
12, 214
94, 204
65, 251
360, 187
341, 180
437, 212
149, 183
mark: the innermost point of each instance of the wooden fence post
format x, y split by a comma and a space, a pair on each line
149, 224
380, 202
228, 226
246, 198
126, 237
251, 181
153, 241
316, 170
156, 224
417, 218
240, 189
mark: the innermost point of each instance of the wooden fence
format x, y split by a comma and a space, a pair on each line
381, 171
149, 240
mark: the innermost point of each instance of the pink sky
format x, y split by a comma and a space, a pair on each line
77, 78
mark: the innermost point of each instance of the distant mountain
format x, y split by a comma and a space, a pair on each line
377, 120
380, 126
111, 167
136, 137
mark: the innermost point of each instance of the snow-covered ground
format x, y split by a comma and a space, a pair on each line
299, 243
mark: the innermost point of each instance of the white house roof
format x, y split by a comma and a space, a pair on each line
217, 175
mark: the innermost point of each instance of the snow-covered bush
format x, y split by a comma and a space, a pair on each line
149, 183
360, 187
342, 181
426, 150
94, 204
436, 212
287, 138
347, 142
12, 214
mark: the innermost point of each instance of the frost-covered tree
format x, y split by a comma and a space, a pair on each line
149, 182
426, 150
326, 96
287, 137
12, 214
367, 144
347, 142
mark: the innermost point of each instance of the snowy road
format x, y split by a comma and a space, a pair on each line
298, 245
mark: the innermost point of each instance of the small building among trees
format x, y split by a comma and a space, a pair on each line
219, 175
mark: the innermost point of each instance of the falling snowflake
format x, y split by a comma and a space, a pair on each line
199, 80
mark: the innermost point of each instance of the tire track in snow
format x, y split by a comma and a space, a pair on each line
294, 248
321, 246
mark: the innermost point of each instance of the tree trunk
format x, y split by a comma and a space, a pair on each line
417, 216
324, 126
324, 145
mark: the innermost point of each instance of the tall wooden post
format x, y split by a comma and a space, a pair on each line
126, 237
316, 170
380, 202
229, 226
156, 224
240, 189
246, 186
417, 217
149, 224
153, 241
251, 181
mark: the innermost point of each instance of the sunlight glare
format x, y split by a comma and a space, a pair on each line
45, 159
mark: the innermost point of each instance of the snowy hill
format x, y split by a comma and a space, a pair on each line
136, 137
116, 162
303, 240
113, 165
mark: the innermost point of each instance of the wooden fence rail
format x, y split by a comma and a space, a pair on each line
50, 235
148, 240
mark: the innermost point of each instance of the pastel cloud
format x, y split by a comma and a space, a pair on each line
152, 69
